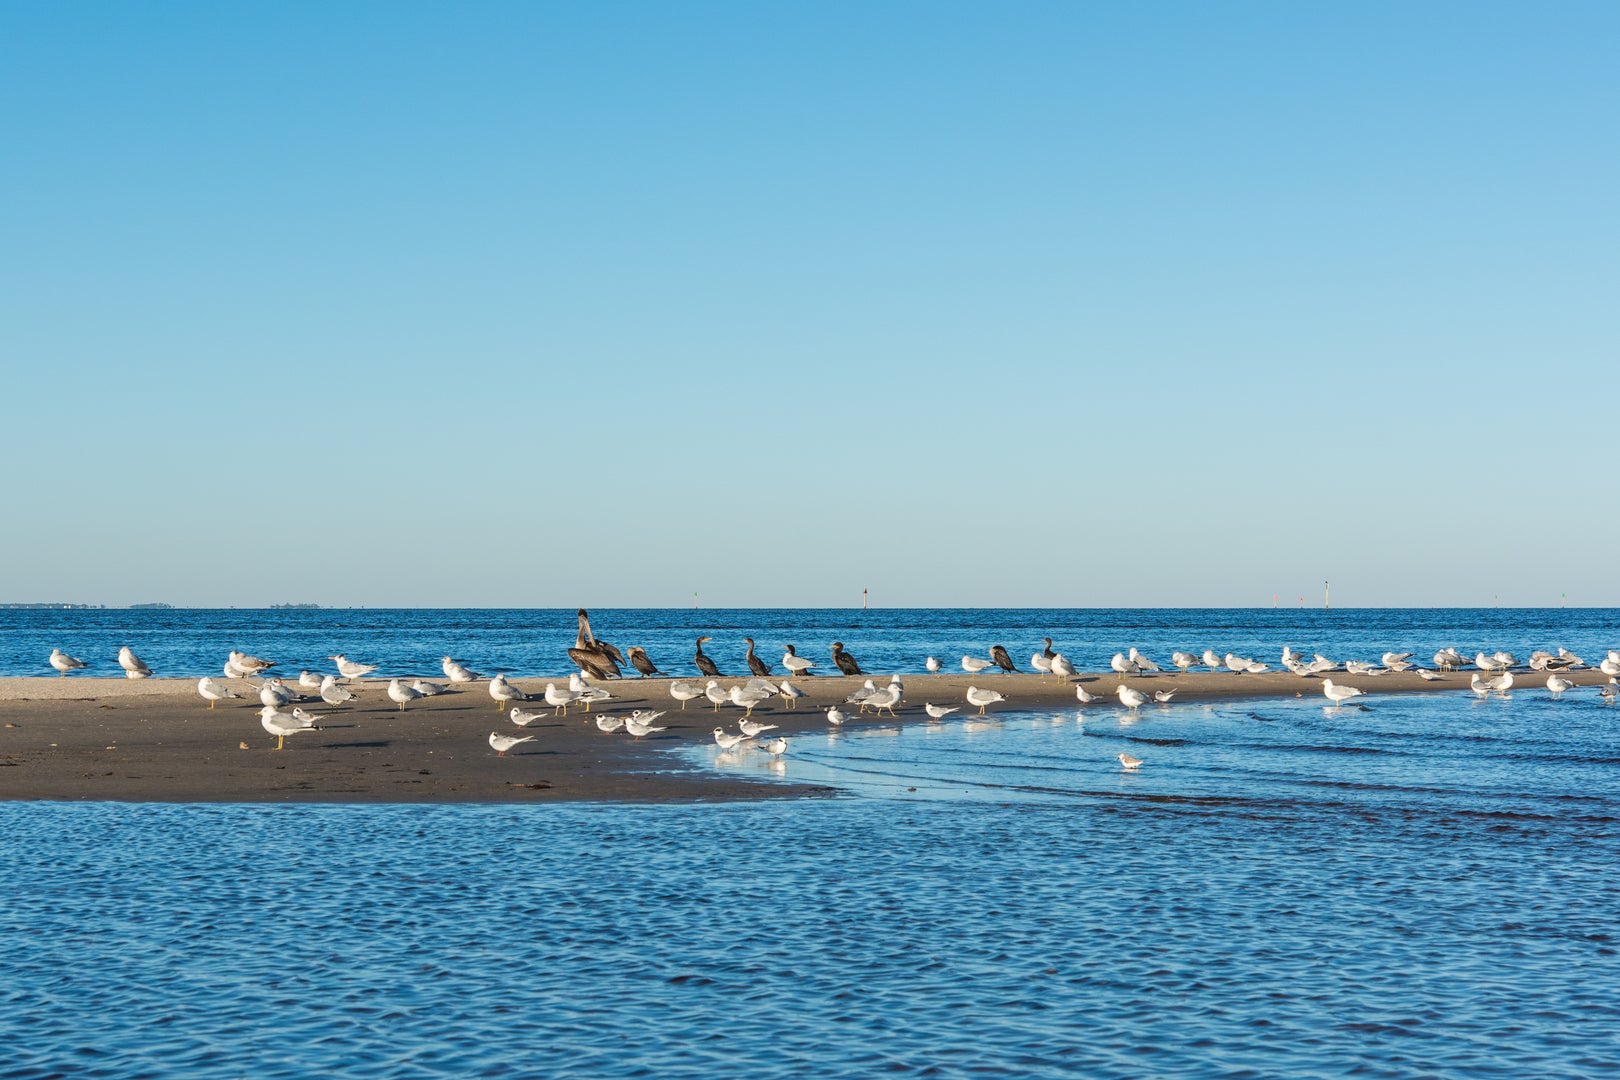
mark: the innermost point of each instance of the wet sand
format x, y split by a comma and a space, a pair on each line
156, 740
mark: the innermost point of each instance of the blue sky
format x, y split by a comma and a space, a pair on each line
1036, 304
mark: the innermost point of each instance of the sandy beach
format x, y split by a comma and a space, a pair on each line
157, 740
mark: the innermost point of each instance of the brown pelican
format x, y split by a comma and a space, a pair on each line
755, 664
846, 663
595, 658
642, 663
704, 664
1002, 660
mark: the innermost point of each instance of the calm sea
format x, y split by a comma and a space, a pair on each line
1423, 887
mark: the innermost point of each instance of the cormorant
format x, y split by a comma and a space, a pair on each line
1049, 654
1002, 660
846, 663
640, 661
755, 664
704, 664
595, 658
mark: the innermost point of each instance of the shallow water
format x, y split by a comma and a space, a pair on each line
1423, 888
193, 643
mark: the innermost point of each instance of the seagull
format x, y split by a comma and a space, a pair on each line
400, 694
502, 743
503, 691
134, 667
932, 664
1085, 696
1429, 676
313, 719
457, 672
1212, 661
796, 664
273, 695
897, 686
281, 724
250, 664
1607, 692
1503, 682
213, 691
683, 692
1131, 764
845, 662
1061, 666
1238, 664
982, 698
64, 663
1397, 661
1558, 685
1123, 665
1130, 697
728, 741
748, 699
234, 671
1480, 685
1163, 696
607, 725
790, 694
836, 718
716, 694
642, 662
1339, 694
1448, 658
638, 727
428, 689
973, 665
524, 719
310, 680
1183, 660
1143, 662
1609, 666
750, 729
559, 699
879, 700
351, 670
859, 695
1001, 659
939, 712
776, 747
1488, 663
332, 693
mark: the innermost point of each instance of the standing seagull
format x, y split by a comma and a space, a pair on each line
796, 664
642, 662
846, 663
701, 659
213, 691
134, 667
402, 695
973, 665
999, 657
502, 743
755, 664
503, 691
596, 658
982, 698
1130, 697
1339, 694
64, 663
351, 670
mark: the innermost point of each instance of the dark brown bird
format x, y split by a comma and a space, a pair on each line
595, 658
755, 664
1048, 653
642, 662
846, 663
704, 664
1002, 660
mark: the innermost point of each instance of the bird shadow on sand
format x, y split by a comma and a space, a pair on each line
380, 744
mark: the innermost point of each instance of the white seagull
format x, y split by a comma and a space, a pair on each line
835, 717
332, 693
351, 670
428, 689
751, 729
503, 691
607, 725
1130, 697
1143, 662
776, 747
282, 724
932, 664
939, 712
1339, 694
637, 726
973, 665
402, 695
1061, 666
310, 680
1183, 660
1163, 696
64, 663
134, 667
683, 692
559, 699
1558, 685
727, 741
213, 691
524, 719
982, 698
1084, 696
457, 672
790, 695
502, 743
795, 664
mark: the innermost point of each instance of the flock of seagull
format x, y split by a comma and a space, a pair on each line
282, 713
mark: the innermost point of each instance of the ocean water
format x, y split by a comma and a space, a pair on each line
1426, 886
192, 643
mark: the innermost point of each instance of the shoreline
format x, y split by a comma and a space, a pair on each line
155, 740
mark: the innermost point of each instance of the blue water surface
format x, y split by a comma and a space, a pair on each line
1425, 887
